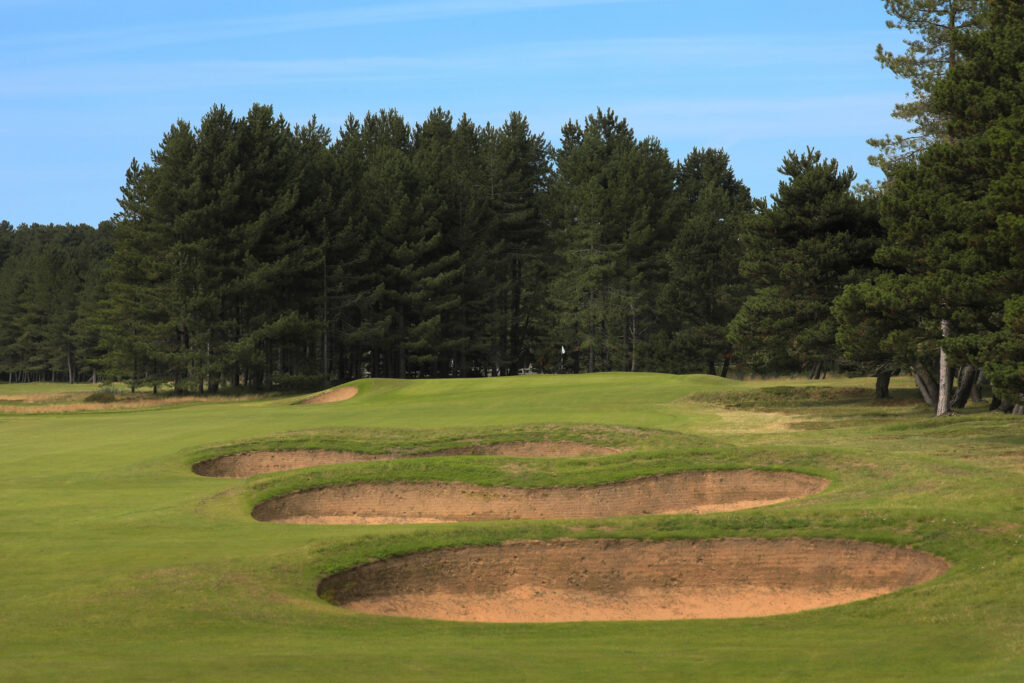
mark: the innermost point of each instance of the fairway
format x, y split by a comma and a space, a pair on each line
120, 561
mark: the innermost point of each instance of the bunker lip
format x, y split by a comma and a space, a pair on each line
331, 396
423, 502
249, 463
629, 580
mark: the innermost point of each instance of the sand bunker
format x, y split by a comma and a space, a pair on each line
332, 396
250, 463
423, 502
624, 579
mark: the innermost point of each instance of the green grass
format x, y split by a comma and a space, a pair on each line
118, 563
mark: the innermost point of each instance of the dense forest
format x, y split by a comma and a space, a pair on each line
252, 252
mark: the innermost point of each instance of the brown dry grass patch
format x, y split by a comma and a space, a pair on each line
122, 404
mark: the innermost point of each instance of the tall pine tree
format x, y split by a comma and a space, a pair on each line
798, 254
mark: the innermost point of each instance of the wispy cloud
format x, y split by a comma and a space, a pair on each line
137, 37
725, 55
101, 79
719, 51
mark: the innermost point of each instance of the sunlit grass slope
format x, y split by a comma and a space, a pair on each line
118, 563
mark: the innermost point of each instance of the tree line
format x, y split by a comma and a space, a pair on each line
251, 252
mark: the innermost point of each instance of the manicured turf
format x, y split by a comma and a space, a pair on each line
118, 563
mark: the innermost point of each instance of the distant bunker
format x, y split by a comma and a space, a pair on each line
426, 502
331, 396
628, 580
250, 463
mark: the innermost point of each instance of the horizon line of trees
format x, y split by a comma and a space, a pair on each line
250, 252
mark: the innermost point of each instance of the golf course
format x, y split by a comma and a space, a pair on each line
814, 531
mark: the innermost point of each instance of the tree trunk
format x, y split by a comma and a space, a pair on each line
815, 372
401, 346
633, 333
965, 381
882, 378
976, 389
926, 385
324, 351
725, 366
945, 376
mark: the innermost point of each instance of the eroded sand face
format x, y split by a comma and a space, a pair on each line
625, 579
332, 396
250, 463
424, 502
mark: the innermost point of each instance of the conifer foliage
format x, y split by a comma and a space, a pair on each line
955, 218
49, 286
798, 254
931, 49
250, 252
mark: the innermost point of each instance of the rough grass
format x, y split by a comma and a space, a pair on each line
119, 563
46, 398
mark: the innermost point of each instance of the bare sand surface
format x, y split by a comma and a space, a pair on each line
416, 502
332, 396
627, 579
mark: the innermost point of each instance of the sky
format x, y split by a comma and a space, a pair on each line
86, 87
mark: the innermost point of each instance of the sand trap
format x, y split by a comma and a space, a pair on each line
332, 396
425, 502
624, 579
249, 463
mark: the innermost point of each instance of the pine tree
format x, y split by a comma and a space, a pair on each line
471, 346
135, 334
798, 254
955, 229
400, 310
513, 182
932, 50
280, 276
612, 198
704, 289
42, 279
314, 210
353, 289
433, 340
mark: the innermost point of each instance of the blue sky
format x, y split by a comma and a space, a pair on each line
84, 87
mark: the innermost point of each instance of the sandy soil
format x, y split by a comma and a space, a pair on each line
625, 579
414, 502
332, 396
249, 463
